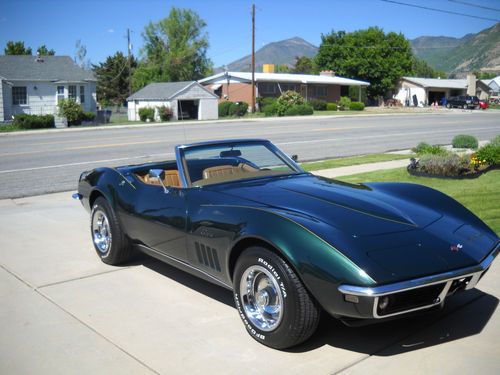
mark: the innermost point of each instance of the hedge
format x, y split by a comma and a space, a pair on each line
25, 121
356, 106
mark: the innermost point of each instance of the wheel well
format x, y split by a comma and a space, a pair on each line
93, 196
244, 244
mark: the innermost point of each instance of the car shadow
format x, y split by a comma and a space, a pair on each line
465, 314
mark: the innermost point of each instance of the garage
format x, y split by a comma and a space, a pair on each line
187, 101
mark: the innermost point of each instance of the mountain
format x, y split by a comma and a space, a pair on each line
472, 52
278, 53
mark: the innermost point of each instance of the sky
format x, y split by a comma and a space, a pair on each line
101, 24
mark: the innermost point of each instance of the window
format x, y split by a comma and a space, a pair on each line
60, 93
267, 88
72, 92
19, 95
82, 94
321, 91
289, 87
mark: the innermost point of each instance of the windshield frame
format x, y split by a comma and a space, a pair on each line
180, 152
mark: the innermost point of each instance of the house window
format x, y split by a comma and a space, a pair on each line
19, 95
267, 88
60, 93
289, 87
82, 94
321, 91
72, 92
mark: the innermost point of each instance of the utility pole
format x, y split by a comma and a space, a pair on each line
253, 58
129, 49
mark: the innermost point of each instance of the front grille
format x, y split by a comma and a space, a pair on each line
410, 299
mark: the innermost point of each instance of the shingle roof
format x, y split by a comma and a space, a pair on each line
441, 83
160, 90
51, 68
288, 77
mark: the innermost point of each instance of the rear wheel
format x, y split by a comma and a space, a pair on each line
274, 305
110, 243
465, 106
448, 105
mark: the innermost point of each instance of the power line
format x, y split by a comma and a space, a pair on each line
440, 10
473, 5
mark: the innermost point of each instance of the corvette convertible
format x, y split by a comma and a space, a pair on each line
290, 245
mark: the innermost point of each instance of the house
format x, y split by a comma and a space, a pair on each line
35, 84
494, 86
237, 86
187, 100
415, 91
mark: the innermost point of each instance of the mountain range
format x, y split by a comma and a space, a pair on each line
472, 52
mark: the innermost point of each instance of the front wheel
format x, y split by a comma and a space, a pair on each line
274, 305
448, 105
465, 106
110, 242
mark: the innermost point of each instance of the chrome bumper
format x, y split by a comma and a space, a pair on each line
466, 278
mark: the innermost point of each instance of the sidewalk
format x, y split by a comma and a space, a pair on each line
361, 168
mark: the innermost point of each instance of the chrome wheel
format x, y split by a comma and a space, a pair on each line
261, 298
101, 232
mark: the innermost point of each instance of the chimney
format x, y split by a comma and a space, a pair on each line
327, 73
471, 84
39, 58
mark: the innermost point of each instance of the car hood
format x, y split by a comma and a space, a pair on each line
357, 209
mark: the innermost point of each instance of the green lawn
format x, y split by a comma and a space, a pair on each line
352, 160
478, 195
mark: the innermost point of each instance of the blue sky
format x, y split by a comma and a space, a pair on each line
101, 24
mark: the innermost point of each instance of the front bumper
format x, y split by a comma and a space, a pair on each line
417, 294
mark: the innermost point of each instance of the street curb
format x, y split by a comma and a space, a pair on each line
222, 122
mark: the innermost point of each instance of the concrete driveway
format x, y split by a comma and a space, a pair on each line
62, 311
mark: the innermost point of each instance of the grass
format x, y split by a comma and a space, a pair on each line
333, 113
478, 194
8, 128
352, 160
494, 106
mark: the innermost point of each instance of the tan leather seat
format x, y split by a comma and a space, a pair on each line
219, 170
171, 179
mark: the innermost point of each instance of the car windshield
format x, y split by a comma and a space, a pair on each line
212, 164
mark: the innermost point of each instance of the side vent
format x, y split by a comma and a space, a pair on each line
207, 256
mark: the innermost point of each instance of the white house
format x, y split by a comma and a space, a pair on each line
187, 100
416, 91
35, 84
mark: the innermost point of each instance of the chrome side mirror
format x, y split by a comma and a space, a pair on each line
159, 174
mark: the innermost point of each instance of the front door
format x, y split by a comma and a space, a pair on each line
160, 220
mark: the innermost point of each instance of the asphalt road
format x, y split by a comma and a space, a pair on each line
40, 163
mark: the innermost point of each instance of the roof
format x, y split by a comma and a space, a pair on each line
436, 82
287, 77
51, 68
164, 90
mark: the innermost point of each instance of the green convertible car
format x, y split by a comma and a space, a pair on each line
245, 216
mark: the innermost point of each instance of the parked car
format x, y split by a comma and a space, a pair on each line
243, 215
483, 104
462, 101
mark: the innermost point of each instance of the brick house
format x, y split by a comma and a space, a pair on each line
236, 86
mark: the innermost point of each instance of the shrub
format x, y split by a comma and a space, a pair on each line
331, 106
271, 109
444, 165
427, 149
318, 104
264, 102
356, 106
224, 108
292, 111
24, 121
305, 109
147, 113
489, 153
88, 116
165, 113
344, 103
287, 100
496, 141
464, 141
70, 109
238, 109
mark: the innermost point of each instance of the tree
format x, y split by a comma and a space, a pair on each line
113, 78
81, 54
282, 68
42, 50
175, 49
370, 55
16, 48
420, 68
304, 65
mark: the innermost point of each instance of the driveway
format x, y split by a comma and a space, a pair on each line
65, 312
